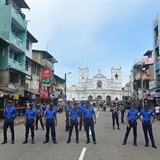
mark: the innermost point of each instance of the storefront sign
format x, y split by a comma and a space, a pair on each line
16, 97
43, 93
46, 73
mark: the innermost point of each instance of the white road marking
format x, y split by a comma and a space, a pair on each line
97, 114
96, 117
82, 154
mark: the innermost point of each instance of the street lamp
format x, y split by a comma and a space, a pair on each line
65, 89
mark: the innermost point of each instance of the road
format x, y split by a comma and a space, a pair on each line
109, 144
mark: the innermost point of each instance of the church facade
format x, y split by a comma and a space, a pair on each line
99, 87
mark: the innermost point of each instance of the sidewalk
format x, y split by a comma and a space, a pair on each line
18, 120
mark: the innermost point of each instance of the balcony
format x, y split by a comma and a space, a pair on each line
147, 61
18, 19
17, 43
46, 63
16, 65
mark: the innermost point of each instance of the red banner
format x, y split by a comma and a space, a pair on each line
43, 93
46, 73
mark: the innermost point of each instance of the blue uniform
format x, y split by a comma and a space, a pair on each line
73, 115
88, 113
30, 115
50, 115
9, 113
146, 125
132, 116
81, 108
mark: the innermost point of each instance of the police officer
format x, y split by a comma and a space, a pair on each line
39, 114
115, 112
29, 122
89, 118
131, 122
50, 121
80, 108
146, 114
73, 122
9, 114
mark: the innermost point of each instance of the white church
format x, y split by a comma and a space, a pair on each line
99, 87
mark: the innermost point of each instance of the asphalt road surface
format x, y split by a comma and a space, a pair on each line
109, 144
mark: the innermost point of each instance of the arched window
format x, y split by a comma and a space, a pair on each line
99, 84
116, 77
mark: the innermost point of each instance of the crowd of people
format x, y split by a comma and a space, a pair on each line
77, 114
81, 114
145, 114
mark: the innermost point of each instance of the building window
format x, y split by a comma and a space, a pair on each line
10, 54
27, 45
14, 78
116, 77
27, 65
34, 69
15, 57
99, 84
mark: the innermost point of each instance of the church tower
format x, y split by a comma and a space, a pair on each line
116, 77
83, 77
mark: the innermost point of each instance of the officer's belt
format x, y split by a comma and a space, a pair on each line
88, 118
132, 120
9, 118
146, 121
30, 119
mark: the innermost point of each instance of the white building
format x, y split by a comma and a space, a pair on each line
98, 87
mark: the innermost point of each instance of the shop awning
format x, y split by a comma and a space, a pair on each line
32, 91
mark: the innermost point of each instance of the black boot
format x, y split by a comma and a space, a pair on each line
32, 140
26, 141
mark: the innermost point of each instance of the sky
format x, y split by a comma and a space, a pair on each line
98, 34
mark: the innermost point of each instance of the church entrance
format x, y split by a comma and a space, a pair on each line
90, 98
99, 98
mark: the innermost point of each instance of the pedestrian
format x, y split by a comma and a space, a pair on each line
131, 122
115, 117
39, 115
9, 115
146, 114
73, 122
29, 122
89, 118
157, 112
50, 121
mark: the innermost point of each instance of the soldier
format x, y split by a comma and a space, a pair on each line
146, 114
131, 122
9, 114
67, 116
89, 118
50, 121
122, 108
29, 122
39, 114
73, 122
115, 112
